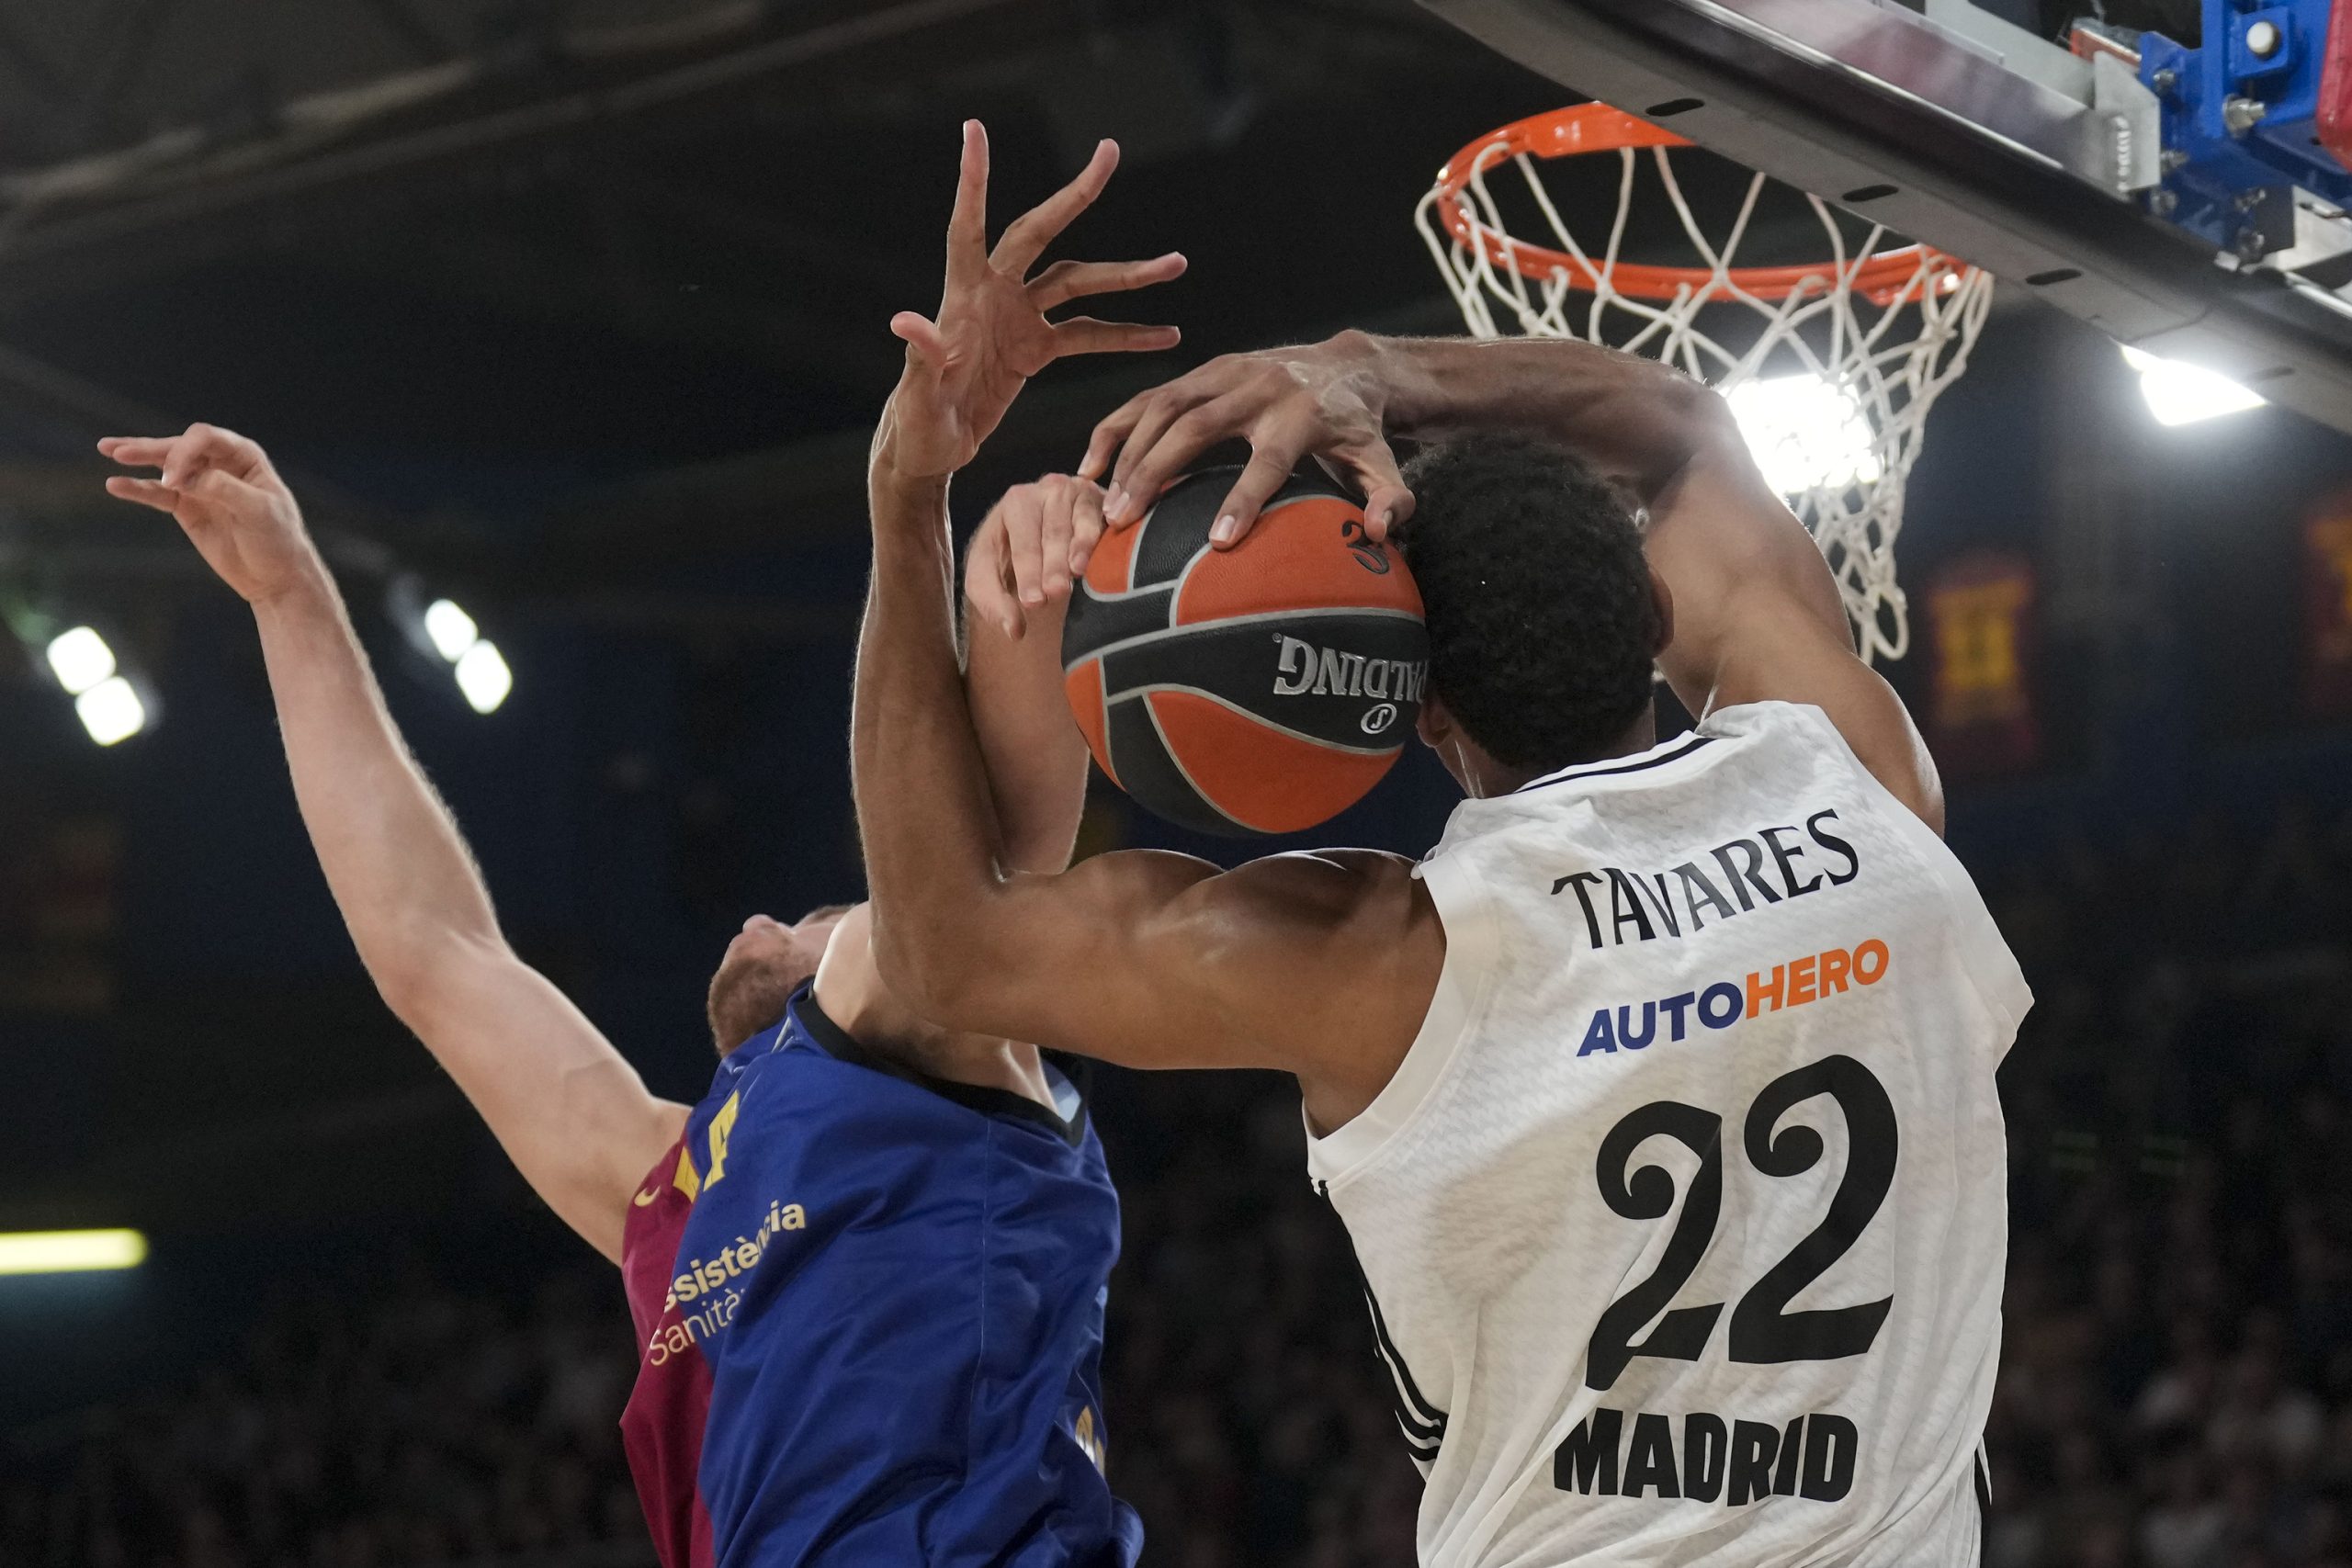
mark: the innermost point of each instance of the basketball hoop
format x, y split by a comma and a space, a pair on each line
1830, 367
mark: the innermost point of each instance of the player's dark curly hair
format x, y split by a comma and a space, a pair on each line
1542, 623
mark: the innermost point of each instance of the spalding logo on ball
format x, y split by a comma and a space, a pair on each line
1261, 688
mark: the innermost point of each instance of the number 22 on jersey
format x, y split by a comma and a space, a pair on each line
1761, 1329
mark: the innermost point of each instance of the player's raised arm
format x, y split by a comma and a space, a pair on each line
1017, 576
1755, 612
568, 1108
1151, 959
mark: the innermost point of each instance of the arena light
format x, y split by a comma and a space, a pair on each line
1806, 433
2180, 393
111, 711
484, 677
451, 630
79, 659
70, 1252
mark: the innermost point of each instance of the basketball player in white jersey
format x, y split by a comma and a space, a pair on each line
1660, 1098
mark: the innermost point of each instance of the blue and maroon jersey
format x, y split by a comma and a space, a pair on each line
869, 1317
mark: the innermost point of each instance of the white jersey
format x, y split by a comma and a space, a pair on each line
1683, 1218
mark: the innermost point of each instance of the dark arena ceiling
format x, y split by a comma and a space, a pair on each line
543, 289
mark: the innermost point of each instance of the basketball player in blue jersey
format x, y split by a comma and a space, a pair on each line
1658, 1098
868, 1269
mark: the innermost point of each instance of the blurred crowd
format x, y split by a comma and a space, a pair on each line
2177, 1385
427, 1427
2177, 1390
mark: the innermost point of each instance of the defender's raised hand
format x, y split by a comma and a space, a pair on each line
228, 498
1032, 545
1326, 400
965, 367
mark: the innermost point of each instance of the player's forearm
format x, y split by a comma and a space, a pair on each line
1721, 542
1630, 417
392, 857
932, 853
1035, 757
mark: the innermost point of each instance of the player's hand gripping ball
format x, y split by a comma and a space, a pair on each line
1263, 689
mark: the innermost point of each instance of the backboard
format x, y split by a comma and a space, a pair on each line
2188, 202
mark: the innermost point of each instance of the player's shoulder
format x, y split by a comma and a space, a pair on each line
1334, 884
1278, 915
1767, 716
1776, 727
1896, 766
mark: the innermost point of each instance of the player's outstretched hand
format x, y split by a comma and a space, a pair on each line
1031, 548
228, 498
966, 365
1328, 400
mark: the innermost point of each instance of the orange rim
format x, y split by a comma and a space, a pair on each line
1597, 128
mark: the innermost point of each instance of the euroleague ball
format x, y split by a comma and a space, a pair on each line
1263, 689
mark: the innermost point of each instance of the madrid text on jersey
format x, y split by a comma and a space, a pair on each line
1709, 1460
1722, 883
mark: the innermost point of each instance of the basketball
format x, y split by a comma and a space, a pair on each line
1263, 689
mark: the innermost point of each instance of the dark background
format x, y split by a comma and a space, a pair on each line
589, 336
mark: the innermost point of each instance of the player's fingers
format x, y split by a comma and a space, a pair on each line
1131, 489
1268, 466
988, 582
136, 451
924, 346
1385, 508
1054, 538
1023, 510
1067, 280
1387, 501
1084, 334
1147, 468
213, 447
1113, 430
967, 225
197, 447
216, 495
1086, 528
218, 485
145, 492
1026, 237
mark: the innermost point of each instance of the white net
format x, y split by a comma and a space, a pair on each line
1836, 362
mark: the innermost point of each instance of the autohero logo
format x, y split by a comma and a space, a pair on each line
1303, 669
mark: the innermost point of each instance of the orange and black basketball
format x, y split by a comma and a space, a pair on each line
1258, 690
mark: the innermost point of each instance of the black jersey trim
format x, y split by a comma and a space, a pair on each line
1984, 1508
1673, 753
1422, 1422
989, 1100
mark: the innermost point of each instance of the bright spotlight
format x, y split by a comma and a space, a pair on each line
1807, 434
451, 629
81, 659
2180, 393
484, 677
70, 1252
111, 711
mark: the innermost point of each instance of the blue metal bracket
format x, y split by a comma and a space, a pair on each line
2238, 118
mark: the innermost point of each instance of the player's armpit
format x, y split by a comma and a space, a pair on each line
1756, 617
568, 1108
1317, 965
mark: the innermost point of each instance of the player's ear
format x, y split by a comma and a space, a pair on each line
1663, 597
1433, 724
